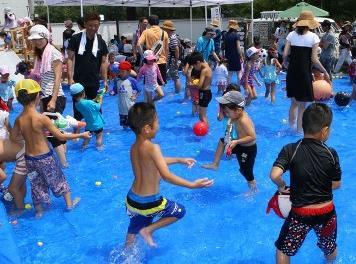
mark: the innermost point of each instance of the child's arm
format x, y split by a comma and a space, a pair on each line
188, 161
276, 176
220, 114
256, 80
162, 167
248, 68
47, 123
159, 74
141, 73
203, 76
277, 64
7, 125
133, 73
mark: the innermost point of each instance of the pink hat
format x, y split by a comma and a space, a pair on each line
149, 55
4, 70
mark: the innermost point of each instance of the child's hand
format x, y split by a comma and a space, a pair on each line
189, 162
233, 144
202, 183
86, 135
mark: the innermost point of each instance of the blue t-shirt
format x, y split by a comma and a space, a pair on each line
91, 113
205, 46
6, 92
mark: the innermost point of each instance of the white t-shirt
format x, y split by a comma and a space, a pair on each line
3, 130
47, 79
307, 40
221, 73
125, 92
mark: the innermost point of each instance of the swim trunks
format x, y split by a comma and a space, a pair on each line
21, 168
45, 173
298, 224
124, 120
143, 209
204, 97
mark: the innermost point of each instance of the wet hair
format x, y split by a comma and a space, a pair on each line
316, 117
140, 115
24, 98
195, 57
153, 20
80, 22
78, 95
300, 30
91, 17
232, 87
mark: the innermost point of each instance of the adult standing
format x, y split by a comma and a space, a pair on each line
345, 40
302, 48
233, 50
205, 44
327, 44
173, 55
142, 25
280, 34
48, 68
155, 37
218, 35
90, 53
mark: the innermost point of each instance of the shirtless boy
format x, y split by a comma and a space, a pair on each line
143, 201
197, 62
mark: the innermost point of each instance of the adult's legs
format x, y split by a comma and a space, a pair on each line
301, 108
293, 112
344, 56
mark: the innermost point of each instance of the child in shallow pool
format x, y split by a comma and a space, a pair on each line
230, 132
245, 148
143, 201
43, 168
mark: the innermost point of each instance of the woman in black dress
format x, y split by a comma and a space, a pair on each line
301, 51
233, 50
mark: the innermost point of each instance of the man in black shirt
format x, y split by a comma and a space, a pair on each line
89, 52
314, 173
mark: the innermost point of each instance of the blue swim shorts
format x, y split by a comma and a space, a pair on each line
142, 210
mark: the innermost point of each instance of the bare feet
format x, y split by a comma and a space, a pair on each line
147, 236
210, 166
253, 187
75, 202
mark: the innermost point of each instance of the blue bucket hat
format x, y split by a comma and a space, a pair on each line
76, 88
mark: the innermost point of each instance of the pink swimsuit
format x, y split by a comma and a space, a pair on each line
151, 72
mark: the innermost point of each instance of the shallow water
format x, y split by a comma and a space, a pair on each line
222, 224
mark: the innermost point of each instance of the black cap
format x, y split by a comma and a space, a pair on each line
326, 23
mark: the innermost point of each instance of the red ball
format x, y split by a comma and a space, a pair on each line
200, 128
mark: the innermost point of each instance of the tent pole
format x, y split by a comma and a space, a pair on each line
191, 20
206, 14
48, 22
81, 9
149, 7
252, 21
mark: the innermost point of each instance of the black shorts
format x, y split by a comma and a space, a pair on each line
163, 69
124, 120
90, 93
246, 156
96, 131
296, 227
60, 106
204, 97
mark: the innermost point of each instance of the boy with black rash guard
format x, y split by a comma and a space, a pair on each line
314, 173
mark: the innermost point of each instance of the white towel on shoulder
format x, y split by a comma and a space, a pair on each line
83, 42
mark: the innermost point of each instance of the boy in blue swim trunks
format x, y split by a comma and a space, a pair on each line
143, 201
314, 173
43, 167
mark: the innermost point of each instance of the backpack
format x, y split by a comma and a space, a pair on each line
157, 47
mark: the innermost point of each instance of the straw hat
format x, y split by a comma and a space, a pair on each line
233, 24
306, 19
347, 23
215, 23
168, 25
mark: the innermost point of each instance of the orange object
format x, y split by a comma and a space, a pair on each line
200, 128
81, 124
322, 90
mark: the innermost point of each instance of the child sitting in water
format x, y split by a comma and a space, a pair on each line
143, 200
43, 168
230, 133
269, 73
90, 110
245, 148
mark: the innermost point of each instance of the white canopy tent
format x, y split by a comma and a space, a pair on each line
153, 3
